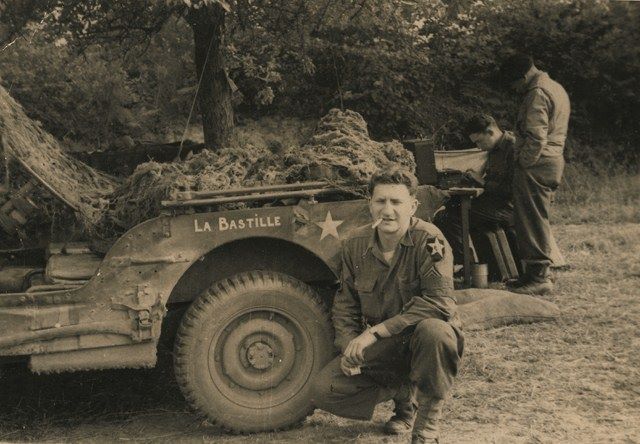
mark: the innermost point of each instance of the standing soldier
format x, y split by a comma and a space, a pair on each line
541, 131
393, 316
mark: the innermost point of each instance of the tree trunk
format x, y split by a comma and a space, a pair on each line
214, 94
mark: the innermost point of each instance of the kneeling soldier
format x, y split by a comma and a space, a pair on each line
394, 316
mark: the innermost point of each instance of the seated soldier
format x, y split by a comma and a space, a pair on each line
394, 316
494, 207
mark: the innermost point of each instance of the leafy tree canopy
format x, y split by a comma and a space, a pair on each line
412, 68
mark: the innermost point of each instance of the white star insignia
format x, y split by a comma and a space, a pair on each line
329, 226
436, 248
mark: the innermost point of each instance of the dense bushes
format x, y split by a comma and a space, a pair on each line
411, 68
94, 98
76, 98
422, 71
427, 77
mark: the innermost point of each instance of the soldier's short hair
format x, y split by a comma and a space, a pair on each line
515, 66
394, 176
479, 123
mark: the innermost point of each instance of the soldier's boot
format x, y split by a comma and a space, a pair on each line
539, 281
523, 279
404, 412
426, 426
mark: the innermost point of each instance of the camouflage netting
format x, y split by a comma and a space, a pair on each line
81, 187
340, 152
139, 197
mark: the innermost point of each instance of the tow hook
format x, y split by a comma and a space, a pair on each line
144, 325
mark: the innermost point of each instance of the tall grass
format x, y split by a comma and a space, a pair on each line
600, 197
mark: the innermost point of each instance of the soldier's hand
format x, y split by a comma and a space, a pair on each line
474, 177
346, 366
355, 350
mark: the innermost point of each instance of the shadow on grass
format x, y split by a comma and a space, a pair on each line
142, 405
32, 403
72, 398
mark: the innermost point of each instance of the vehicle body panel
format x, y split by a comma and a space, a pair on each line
125, 301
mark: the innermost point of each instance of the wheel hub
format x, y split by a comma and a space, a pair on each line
260, 355
257, 353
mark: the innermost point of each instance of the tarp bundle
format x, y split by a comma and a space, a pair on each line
340, 152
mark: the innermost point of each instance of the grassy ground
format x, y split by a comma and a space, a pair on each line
575, 380
585, 197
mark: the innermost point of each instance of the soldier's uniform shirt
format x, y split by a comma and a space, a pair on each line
542, 126
498, 174
412, 296
417, 284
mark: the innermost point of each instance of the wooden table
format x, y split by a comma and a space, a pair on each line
465, 195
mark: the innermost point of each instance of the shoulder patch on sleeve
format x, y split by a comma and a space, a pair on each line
435, 247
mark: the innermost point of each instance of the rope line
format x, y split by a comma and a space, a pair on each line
195, 97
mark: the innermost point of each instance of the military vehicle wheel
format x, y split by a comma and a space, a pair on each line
247, 350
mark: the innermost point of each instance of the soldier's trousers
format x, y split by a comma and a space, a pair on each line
533, 190
427, 356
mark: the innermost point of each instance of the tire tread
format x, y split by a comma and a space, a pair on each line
218, 293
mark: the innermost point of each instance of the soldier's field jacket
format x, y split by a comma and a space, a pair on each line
417, 284
543, 120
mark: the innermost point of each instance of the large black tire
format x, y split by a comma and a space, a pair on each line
247, 350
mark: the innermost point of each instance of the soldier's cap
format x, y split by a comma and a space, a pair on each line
514, 67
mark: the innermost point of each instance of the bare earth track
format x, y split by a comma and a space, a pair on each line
577, 380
